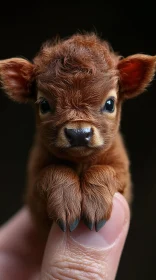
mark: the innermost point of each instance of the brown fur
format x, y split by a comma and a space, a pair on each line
76, 76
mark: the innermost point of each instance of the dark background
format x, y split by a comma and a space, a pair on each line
130, 28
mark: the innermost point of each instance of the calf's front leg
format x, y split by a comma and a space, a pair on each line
59, 187
98, 184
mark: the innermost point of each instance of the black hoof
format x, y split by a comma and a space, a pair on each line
89, 224
62, 225
99, 225
74, 225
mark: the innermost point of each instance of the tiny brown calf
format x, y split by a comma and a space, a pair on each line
78, 160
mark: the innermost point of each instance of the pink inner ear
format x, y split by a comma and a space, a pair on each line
132, 73
17, 84
16, 77
16, 80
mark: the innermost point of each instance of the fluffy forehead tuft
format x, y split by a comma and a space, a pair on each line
76, 61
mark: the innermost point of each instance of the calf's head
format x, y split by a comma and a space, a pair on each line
78, 86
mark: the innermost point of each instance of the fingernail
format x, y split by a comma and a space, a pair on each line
107, 235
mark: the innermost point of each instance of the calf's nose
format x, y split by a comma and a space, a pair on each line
79, 137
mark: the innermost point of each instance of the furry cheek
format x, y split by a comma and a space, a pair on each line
97, 139
62, 141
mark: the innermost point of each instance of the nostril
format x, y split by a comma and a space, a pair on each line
67, 133
88, 134
70, 134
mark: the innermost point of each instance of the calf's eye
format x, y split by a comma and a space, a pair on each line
109, 105
44, 106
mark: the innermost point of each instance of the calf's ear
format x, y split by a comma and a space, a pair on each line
135, 74
16, 78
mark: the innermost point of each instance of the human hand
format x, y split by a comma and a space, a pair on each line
81, 254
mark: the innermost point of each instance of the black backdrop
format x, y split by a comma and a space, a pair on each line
130, 29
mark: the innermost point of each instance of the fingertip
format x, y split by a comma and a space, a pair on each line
101, 250
108, 231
